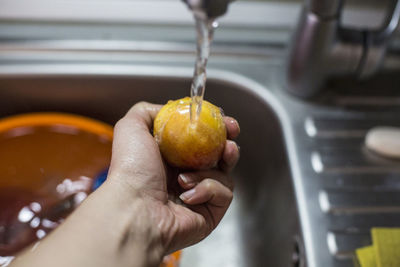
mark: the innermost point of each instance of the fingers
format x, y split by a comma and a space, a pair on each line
208, 191
208, 199
191, 179
230, 156
232, 127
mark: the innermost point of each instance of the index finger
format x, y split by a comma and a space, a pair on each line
232, 127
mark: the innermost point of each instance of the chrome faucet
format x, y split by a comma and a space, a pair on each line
322, 48
211, 8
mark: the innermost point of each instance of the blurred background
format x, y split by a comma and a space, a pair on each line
106, 19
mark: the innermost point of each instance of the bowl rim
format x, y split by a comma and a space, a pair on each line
56, 118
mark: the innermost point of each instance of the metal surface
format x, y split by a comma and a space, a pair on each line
341, 189
323, 48
156, 12
136, 20
376, 42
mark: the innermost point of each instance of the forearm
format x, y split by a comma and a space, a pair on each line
106, 230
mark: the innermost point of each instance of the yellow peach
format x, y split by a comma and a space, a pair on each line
187, 144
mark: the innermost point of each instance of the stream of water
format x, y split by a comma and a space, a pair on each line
205, 31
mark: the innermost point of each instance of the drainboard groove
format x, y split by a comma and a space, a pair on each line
361, 182
362, 222
350, 162
337, 202
362, 170
330, 128
342, 245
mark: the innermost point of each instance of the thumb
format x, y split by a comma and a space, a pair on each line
134, 147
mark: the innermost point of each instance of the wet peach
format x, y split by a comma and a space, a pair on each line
187, 144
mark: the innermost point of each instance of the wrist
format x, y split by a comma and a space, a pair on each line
137, 237
105, 230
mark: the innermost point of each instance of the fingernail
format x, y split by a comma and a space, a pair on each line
185, 179
187, 195
236, 123
233, 121
238, 147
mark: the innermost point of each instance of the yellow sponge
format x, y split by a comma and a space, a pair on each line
385, 251
386, 246
366, 256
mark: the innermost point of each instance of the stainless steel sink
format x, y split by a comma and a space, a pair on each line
341, 189
261, 228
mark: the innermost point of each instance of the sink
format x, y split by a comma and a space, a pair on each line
261, 227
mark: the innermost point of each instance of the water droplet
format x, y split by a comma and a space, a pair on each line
49, 224
25, 214
61, 188
183, 111
35, 222
79, 197
40, 233
5, 261
35, 207
215, 24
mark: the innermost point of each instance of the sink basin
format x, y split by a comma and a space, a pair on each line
261, 227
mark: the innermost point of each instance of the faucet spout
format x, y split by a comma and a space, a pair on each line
209, 9
326, 8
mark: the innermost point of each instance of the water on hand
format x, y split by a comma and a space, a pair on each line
205, 30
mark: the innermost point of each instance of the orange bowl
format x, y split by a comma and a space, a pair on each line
39, 151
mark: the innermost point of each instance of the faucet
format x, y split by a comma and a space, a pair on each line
211, 8
322, 48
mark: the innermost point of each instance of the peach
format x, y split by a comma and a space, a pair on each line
187, 144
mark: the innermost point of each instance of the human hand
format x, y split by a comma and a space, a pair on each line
138, 166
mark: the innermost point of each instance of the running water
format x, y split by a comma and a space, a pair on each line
205, 31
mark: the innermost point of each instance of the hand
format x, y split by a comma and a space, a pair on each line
132, 220
138, 166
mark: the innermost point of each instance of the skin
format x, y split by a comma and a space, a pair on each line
142, 212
